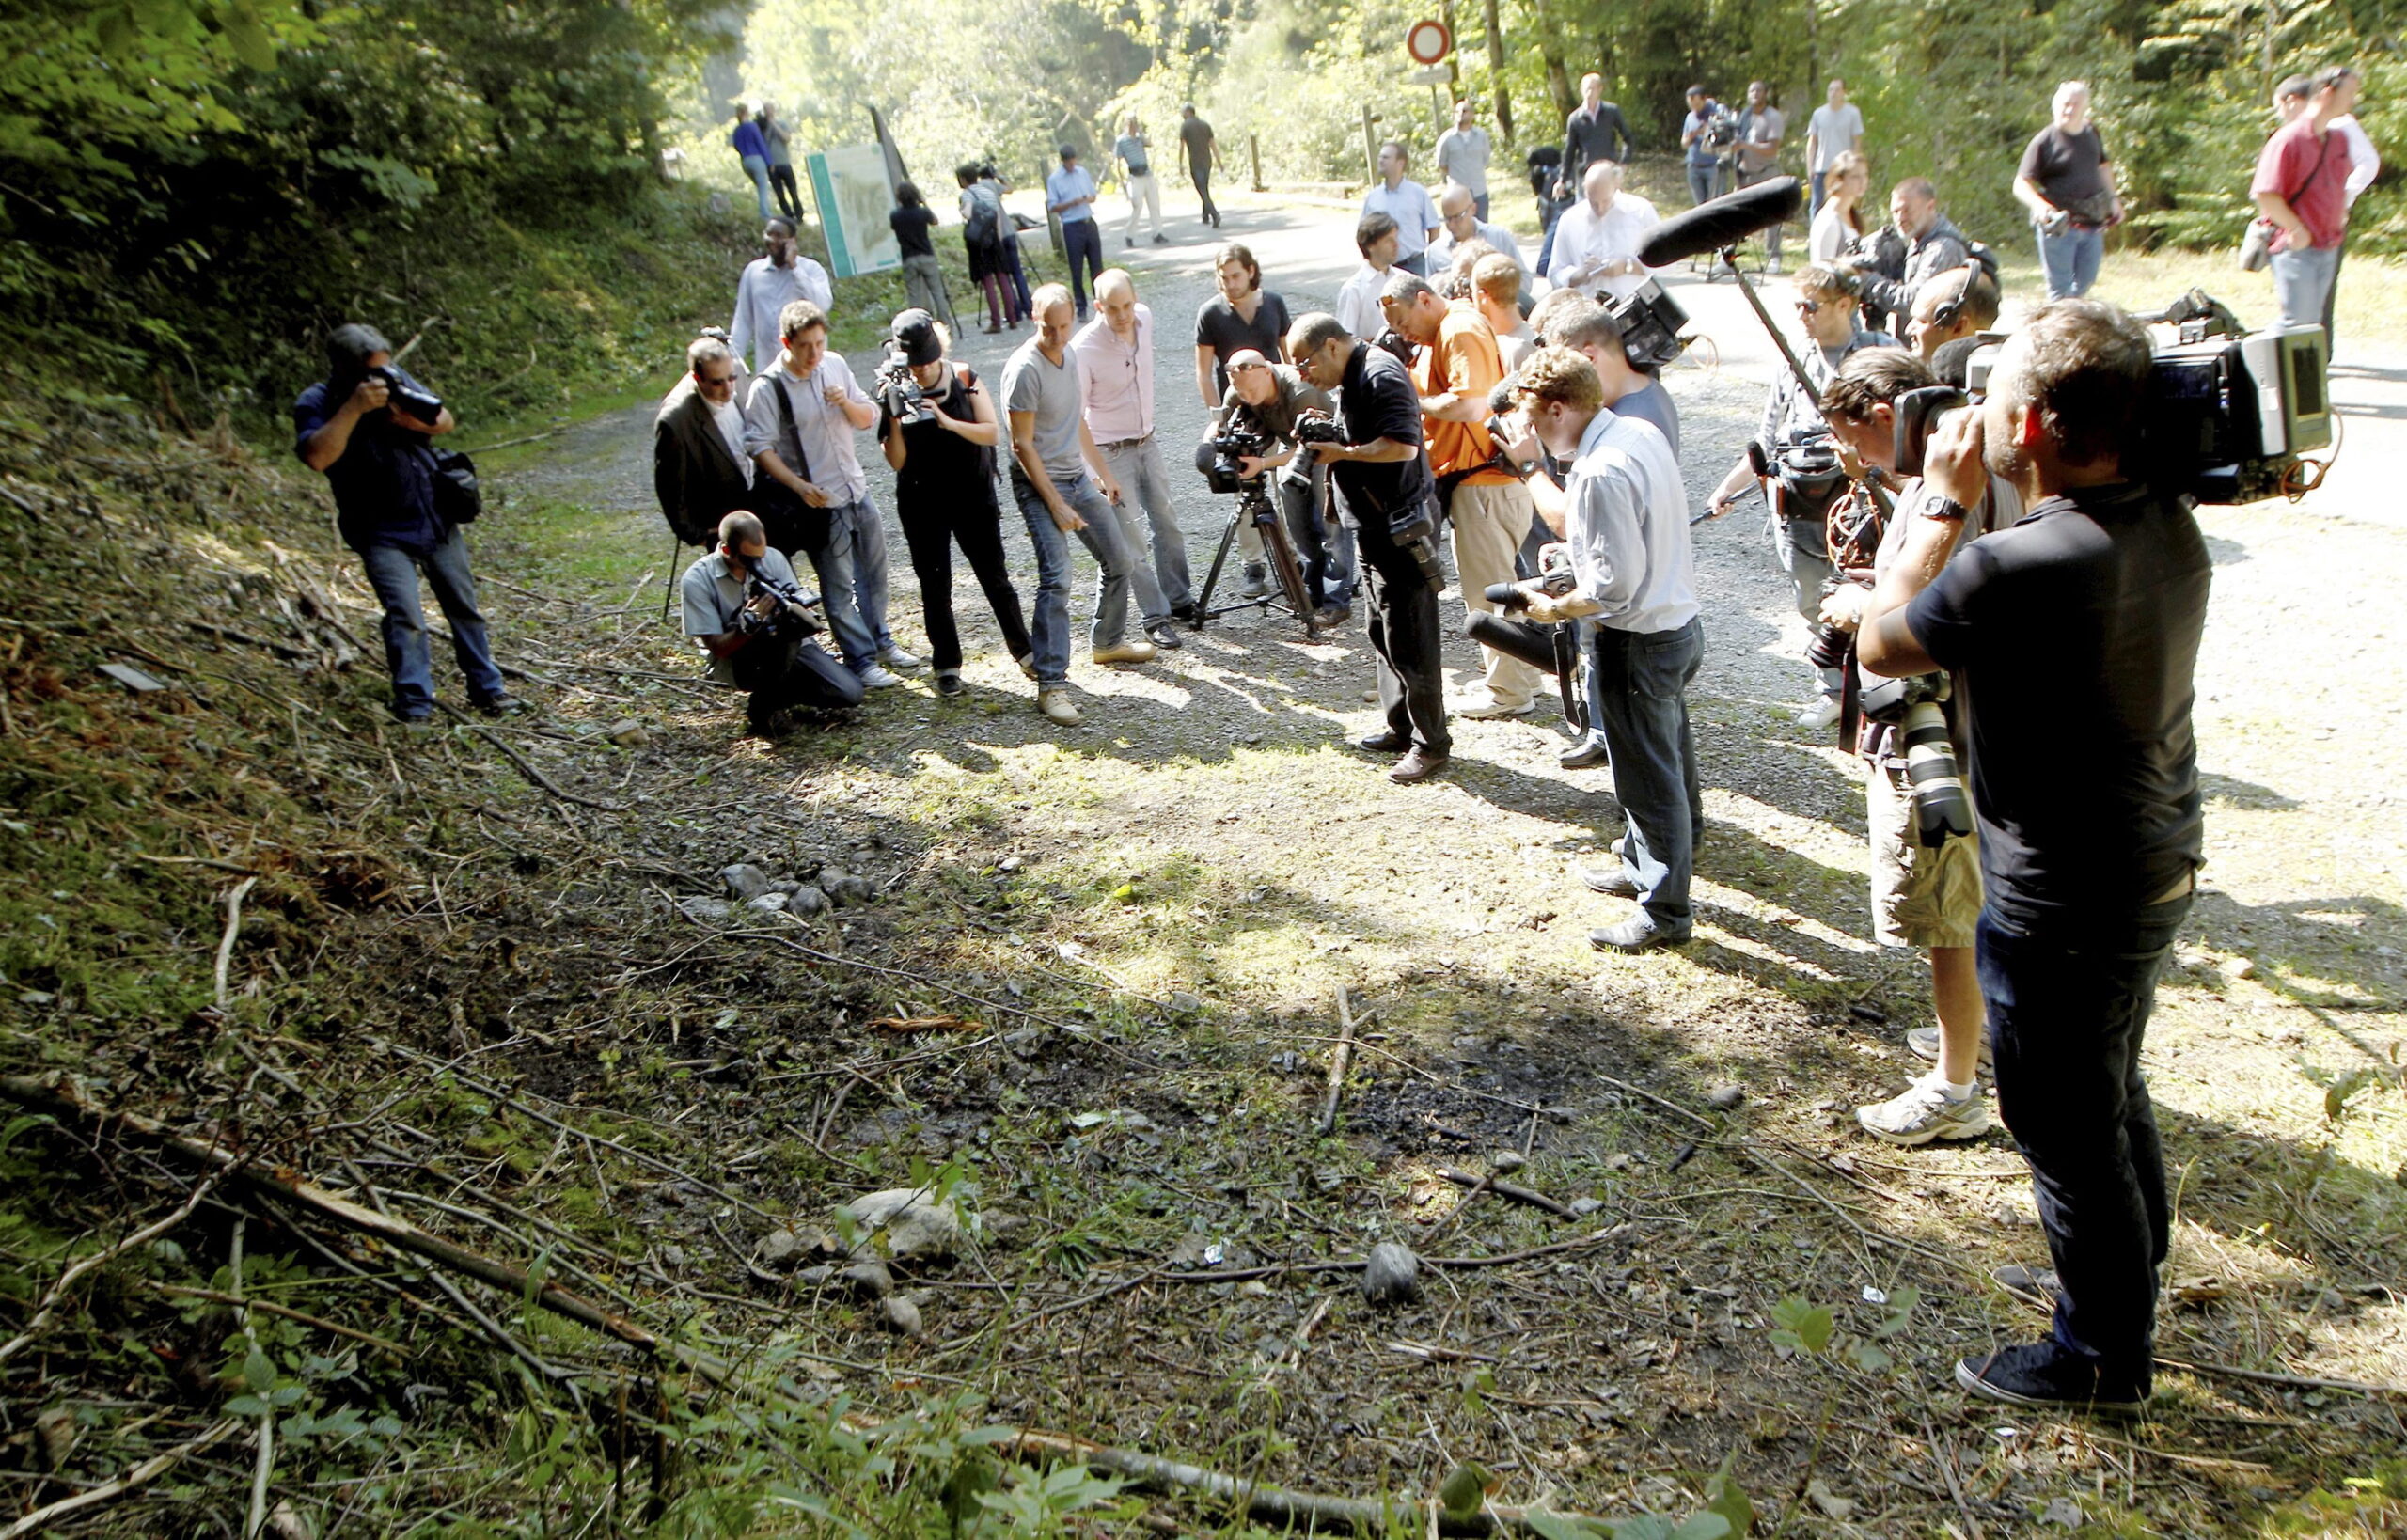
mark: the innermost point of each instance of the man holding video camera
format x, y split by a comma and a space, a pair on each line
745, 610
1389, 502
1627, 526
1932, 243
368, 427
2077, 630
1266, 400
1926, 892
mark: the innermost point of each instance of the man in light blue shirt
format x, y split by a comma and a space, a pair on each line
1069, 196
1407, 202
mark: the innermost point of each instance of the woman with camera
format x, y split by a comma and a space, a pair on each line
942, 447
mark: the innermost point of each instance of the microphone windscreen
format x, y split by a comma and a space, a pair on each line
1723, 222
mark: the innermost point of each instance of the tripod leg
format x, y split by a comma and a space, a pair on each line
1219, 559
675, 545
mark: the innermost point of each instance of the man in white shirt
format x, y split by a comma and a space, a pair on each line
1596, 240
1116, 392
1358, 301
798, 426
1836, 127
1408, 203
769, 284
1462, 155
1459, 215
1627, 526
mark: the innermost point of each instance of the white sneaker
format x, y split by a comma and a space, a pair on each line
1923, 1041
1819, 715
875, 678
894, 657
1923, 1112
1058, 706
1487, 708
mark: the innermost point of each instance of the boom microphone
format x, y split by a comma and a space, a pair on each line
1723, 222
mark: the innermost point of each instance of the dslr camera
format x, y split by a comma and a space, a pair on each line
2227, 417
1234, 443
905, 402
406, 399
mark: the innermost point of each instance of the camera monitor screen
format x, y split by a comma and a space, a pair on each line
2294, 407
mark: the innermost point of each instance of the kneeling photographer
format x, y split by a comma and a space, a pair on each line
1793, 459
1389, 500
2072, 638
744, 608
1925, 860
1256, 434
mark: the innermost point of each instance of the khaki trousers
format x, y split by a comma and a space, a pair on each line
1489, 524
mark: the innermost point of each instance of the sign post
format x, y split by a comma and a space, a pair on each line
1428, 41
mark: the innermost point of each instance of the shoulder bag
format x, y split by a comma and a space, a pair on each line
792, 523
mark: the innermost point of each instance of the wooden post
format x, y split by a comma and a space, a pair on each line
1254, 147
1370, 148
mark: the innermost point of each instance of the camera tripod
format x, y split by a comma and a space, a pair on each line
1254, 506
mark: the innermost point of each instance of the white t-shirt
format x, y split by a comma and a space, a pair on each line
1834, 133
730, 428
1831, 235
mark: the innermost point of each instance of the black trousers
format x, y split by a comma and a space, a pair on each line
1406, 639
1203, 177
934, 521
1082, 243
789, 196
783, 672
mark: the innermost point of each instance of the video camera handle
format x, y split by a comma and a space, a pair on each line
1796, 370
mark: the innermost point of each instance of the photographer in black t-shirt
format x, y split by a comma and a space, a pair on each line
2072, 638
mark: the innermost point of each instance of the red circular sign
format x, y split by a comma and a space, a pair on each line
1428, 41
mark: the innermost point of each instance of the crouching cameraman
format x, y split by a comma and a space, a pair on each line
744, 608
1263, 405
1925, 861
2073, 637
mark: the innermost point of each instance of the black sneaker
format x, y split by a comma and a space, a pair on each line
949, 682
501, 705
1165, 635
2049, 1375
1185, 614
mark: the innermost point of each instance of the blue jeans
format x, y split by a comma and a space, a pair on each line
2066, 1012
1479, 207
1642, 692
1327, 552
852, 582
393, 573
1146, 517
2303, 281
1703, 182
1101, 537
1082, 244
1819, 177
758, 169
2071, 259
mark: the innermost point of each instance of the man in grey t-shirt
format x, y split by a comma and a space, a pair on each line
1835, 129
1063, 488
1462, 155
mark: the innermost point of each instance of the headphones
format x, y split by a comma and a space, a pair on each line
1977, 260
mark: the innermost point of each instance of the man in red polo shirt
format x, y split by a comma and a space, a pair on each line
2301, 186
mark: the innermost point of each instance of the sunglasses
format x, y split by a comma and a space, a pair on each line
1809, 306
723, 382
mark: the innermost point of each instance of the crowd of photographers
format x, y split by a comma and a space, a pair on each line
1984, 581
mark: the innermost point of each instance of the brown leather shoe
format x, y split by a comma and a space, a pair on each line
1417, 765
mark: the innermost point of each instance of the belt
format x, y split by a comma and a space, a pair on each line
1140, 170
1124, 443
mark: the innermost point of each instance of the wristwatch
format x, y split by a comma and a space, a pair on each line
1943, 509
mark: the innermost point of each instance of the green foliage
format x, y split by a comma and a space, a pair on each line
1813, 1330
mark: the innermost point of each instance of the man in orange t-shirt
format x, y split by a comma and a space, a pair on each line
1489, 508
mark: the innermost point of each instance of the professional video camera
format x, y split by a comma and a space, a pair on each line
1235, 441
906, 402
1721, 130
2228, 416
1650, 321
1550, 648
406, 399
792, 615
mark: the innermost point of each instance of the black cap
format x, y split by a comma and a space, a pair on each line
914, 337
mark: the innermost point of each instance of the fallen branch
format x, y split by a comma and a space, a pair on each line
1513, 1191
233, 929
100, 1258
527, 769
2264, 1376
1339, 1063
220, 1298
1275, 1505
141, 1475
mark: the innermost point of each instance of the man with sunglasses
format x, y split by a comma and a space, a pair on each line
1458, 212
769, 284
699, 467
1799, 543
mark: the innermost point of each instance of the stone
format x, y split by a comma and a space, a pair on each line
2062, 1511
805, 899
869, 1280
779, 1247
905, 1225
1586, 1206
629, 733
768, 903
1507, 1162
1723, 1098
1393, 1275
999, 1226
897, 1314
814, 1278
845, 889
709, 911
1254, 1288
1184, 1004
745, 881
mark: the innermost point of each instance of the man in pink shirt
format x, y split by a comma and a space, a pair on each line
2302, 186
1116, 372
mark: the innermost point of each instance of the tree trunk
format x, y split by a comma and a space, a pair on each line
1558, 74
1496, 72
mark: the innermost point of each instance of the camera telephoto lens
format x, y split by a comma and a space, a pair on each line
1941, 807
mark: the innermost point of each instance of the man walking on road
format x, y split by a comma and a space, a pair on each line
1462, 155
1069, 196
2290, 98
1594, 131
1136, 172
1407, 202
1203, 154
2067, 181
1116, 386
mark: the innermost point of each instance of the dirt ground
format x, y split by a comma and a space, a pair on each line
1206, 862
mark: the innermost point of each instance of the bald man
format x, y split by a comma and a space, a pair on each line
1458, 214
1596, 240
1116, 383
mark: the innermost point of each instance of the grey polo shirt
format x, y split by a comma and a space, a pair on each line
712, 596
